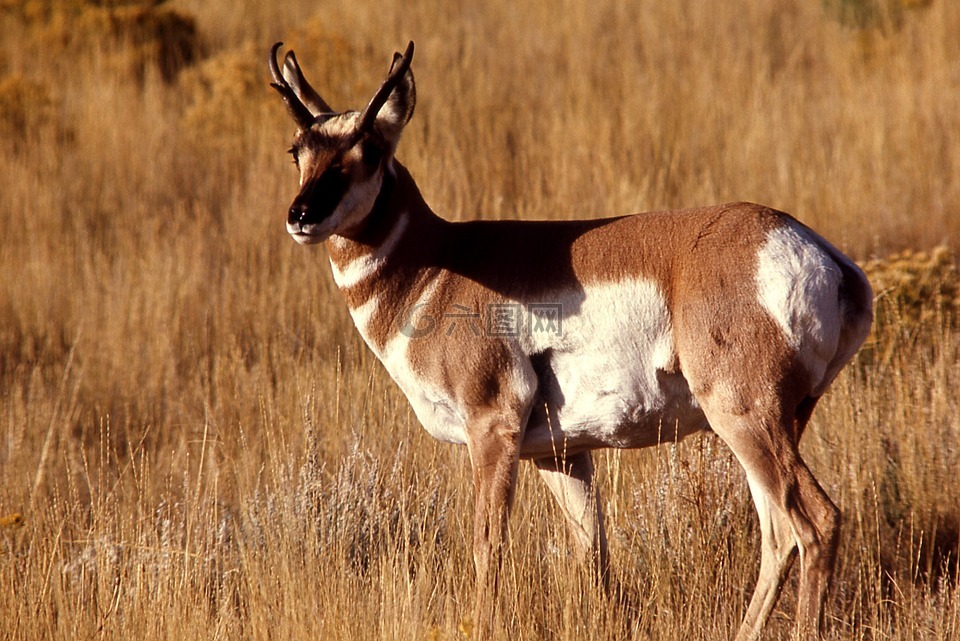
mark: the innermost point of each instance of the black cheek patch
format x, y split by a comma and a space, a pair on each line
321, 196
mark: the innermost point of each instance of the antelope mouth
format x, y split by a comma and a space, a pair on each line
305, 237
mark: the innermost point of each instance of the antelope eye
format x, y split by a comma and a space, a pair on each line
293, 151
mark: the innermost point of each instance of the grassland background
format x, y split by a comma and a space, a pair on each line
199, 446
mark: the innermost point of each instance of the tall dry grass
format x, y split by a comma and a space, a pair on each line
199, 445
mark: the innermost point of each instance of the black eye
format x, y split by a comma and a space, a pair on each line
293, 151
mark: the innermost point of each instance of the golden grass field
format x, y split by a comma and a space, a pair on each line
194, 442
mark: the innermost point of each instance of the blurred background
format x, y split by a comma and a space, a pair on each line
193, 439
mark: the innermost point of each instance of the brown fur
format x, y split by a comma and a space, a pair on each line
760, 415
747, 380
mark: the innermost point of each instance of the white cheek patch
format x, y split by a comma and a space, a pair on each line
798, 285
353, 207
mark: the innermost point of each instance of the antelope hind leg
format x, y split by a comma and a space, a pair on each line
570, 480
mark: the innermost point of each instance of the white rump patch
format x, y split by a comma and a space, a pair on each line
798, 285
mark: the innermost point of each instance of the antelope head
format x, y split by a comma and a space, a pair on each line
342, 157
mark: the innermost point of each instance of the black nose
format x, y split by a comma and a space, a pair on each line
297, 213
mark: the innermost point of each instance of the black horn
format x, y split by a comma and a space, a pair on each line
308, 95
298, 110
397, 70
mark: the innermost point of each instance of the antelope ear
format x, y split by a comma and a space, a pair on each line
398, 108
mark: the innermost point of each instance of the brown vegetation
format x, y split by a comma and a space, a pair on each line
195, 443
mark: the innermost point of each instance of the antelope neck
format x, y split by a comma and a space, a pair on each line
397, 213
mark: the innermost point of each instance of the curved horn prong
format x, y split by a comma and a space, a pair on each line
397, 71
308, 95
298, 110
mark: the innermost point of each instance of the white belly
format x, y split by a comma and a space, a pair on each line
605, 372
609, 379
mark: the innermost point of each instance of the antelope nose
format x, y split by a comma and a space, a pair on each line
297, 213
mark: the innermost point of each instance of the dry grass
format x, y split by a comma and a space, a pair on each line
195, 443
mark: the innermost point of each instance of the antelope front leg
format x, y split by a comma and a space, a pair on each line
494, 454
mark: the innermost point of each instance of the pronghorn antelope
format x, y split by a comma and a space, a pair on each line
546, 340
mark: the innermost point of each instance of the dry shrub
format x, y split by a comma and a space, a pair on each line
335, 65
25, 105
162, 37
228, 97
874, 14
132, 37
915, 287
224, 94
363, 513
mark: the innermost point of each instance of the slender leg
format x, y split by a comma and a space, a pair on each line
777, 553
794, 511
494, 452
570, 481
817, 522
817, 568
